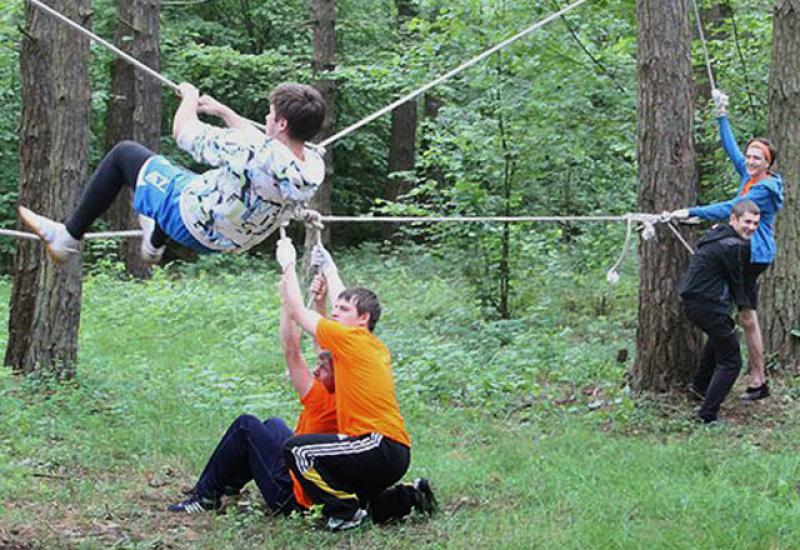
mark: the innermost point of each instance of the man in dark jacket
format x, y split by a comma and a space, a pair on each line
712, 284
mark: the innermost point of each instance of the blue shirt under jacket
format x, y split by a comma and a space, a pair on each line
767, 194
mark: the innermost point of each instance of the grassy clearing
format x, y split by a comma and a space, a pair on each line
523, 425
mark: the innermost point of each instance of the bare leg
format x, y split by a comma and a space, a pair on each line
755, 347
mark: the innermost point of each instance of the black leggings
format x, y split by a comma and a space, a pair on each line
119, 168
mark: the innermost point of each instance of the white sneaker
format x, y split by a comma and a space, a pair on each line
58, 242
150, 253
338, 524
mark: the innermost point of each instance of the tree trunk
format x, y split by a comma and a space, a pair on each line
54, 146
667, 347
780, 311
324, 46
401, 155
134, 109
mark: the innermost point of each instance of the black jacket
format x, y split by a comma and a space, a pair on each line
714, 280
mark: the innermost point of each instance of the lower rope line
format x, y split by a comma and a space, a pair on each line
88, 236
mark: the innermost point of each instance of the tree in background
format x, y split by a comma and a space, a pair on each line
781, 284
666, 346
403, 137
54, 146
323, 63
134, 108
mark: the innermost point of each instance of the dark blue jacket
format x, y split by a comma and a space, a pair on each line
767, 194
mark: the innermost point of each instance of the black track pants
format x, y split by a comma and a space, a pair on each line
721, 360
346, 473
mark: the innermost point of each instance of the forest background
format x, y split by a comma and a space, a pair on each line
511, 352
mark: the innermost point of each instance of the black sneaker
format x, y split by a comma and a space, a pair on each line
754, 394
195, 504
424, 499
695, 391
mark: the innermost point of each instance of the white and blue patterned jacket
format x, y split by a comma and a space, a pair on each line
236, 205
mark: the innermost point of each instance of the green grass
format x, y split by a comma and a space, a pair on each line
523, 426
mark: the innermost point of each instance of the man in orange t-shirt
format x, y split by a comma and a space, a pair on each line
372, 450
253, 450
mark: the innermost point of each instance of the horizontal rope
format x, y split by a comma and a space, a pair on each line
99, 235
478, 219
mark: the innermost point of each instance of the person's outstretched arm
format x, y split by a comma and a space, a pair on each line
291, 297
186, 114
319, 289
328, 268
296, 367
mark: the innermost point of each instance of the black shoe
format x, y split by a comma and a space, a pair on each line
424, 499
195, 504
696, 392
754, 394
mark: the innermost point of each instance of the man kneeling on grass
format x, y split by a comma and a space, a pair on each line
253, 450
350, 471
710, 287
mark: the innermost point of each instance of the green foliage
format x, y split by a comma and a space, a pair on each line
524, 426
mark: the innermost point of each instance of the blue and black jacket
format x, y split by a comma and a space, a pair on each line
767, 194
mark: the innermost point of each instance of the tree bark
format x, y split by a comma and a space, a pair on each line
54, 147
324, 49
134, 109
780, 311
667, 347
402, 151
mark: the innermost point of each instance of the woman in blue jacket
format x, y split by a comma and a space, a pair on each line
765, 188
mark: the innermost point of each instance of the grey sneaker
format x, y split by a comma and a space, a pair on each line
58, 242
150, 254
339, 524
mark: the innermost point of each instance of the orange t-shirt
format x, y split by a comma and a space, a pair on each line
366, 401
317, 417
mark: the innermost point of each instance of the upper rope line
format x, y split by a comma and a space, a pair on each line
108, 45
699, 24
350, 129
447, 75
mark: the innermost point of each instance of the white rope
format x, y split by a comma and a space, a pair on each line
705, 46
88, 236
476, 219
105, 43
680, 238
449, 74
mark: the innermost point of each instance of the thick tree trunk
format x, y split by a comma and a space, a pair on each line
134, 109
54, 145
324, 46
667, 348
780, 311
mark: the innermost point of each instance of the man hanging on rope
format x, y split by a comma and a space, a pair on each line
257, 179
716, 280
765, 188
351, 470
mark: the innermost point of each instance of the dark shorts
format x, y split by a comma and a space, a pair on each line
751, 274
